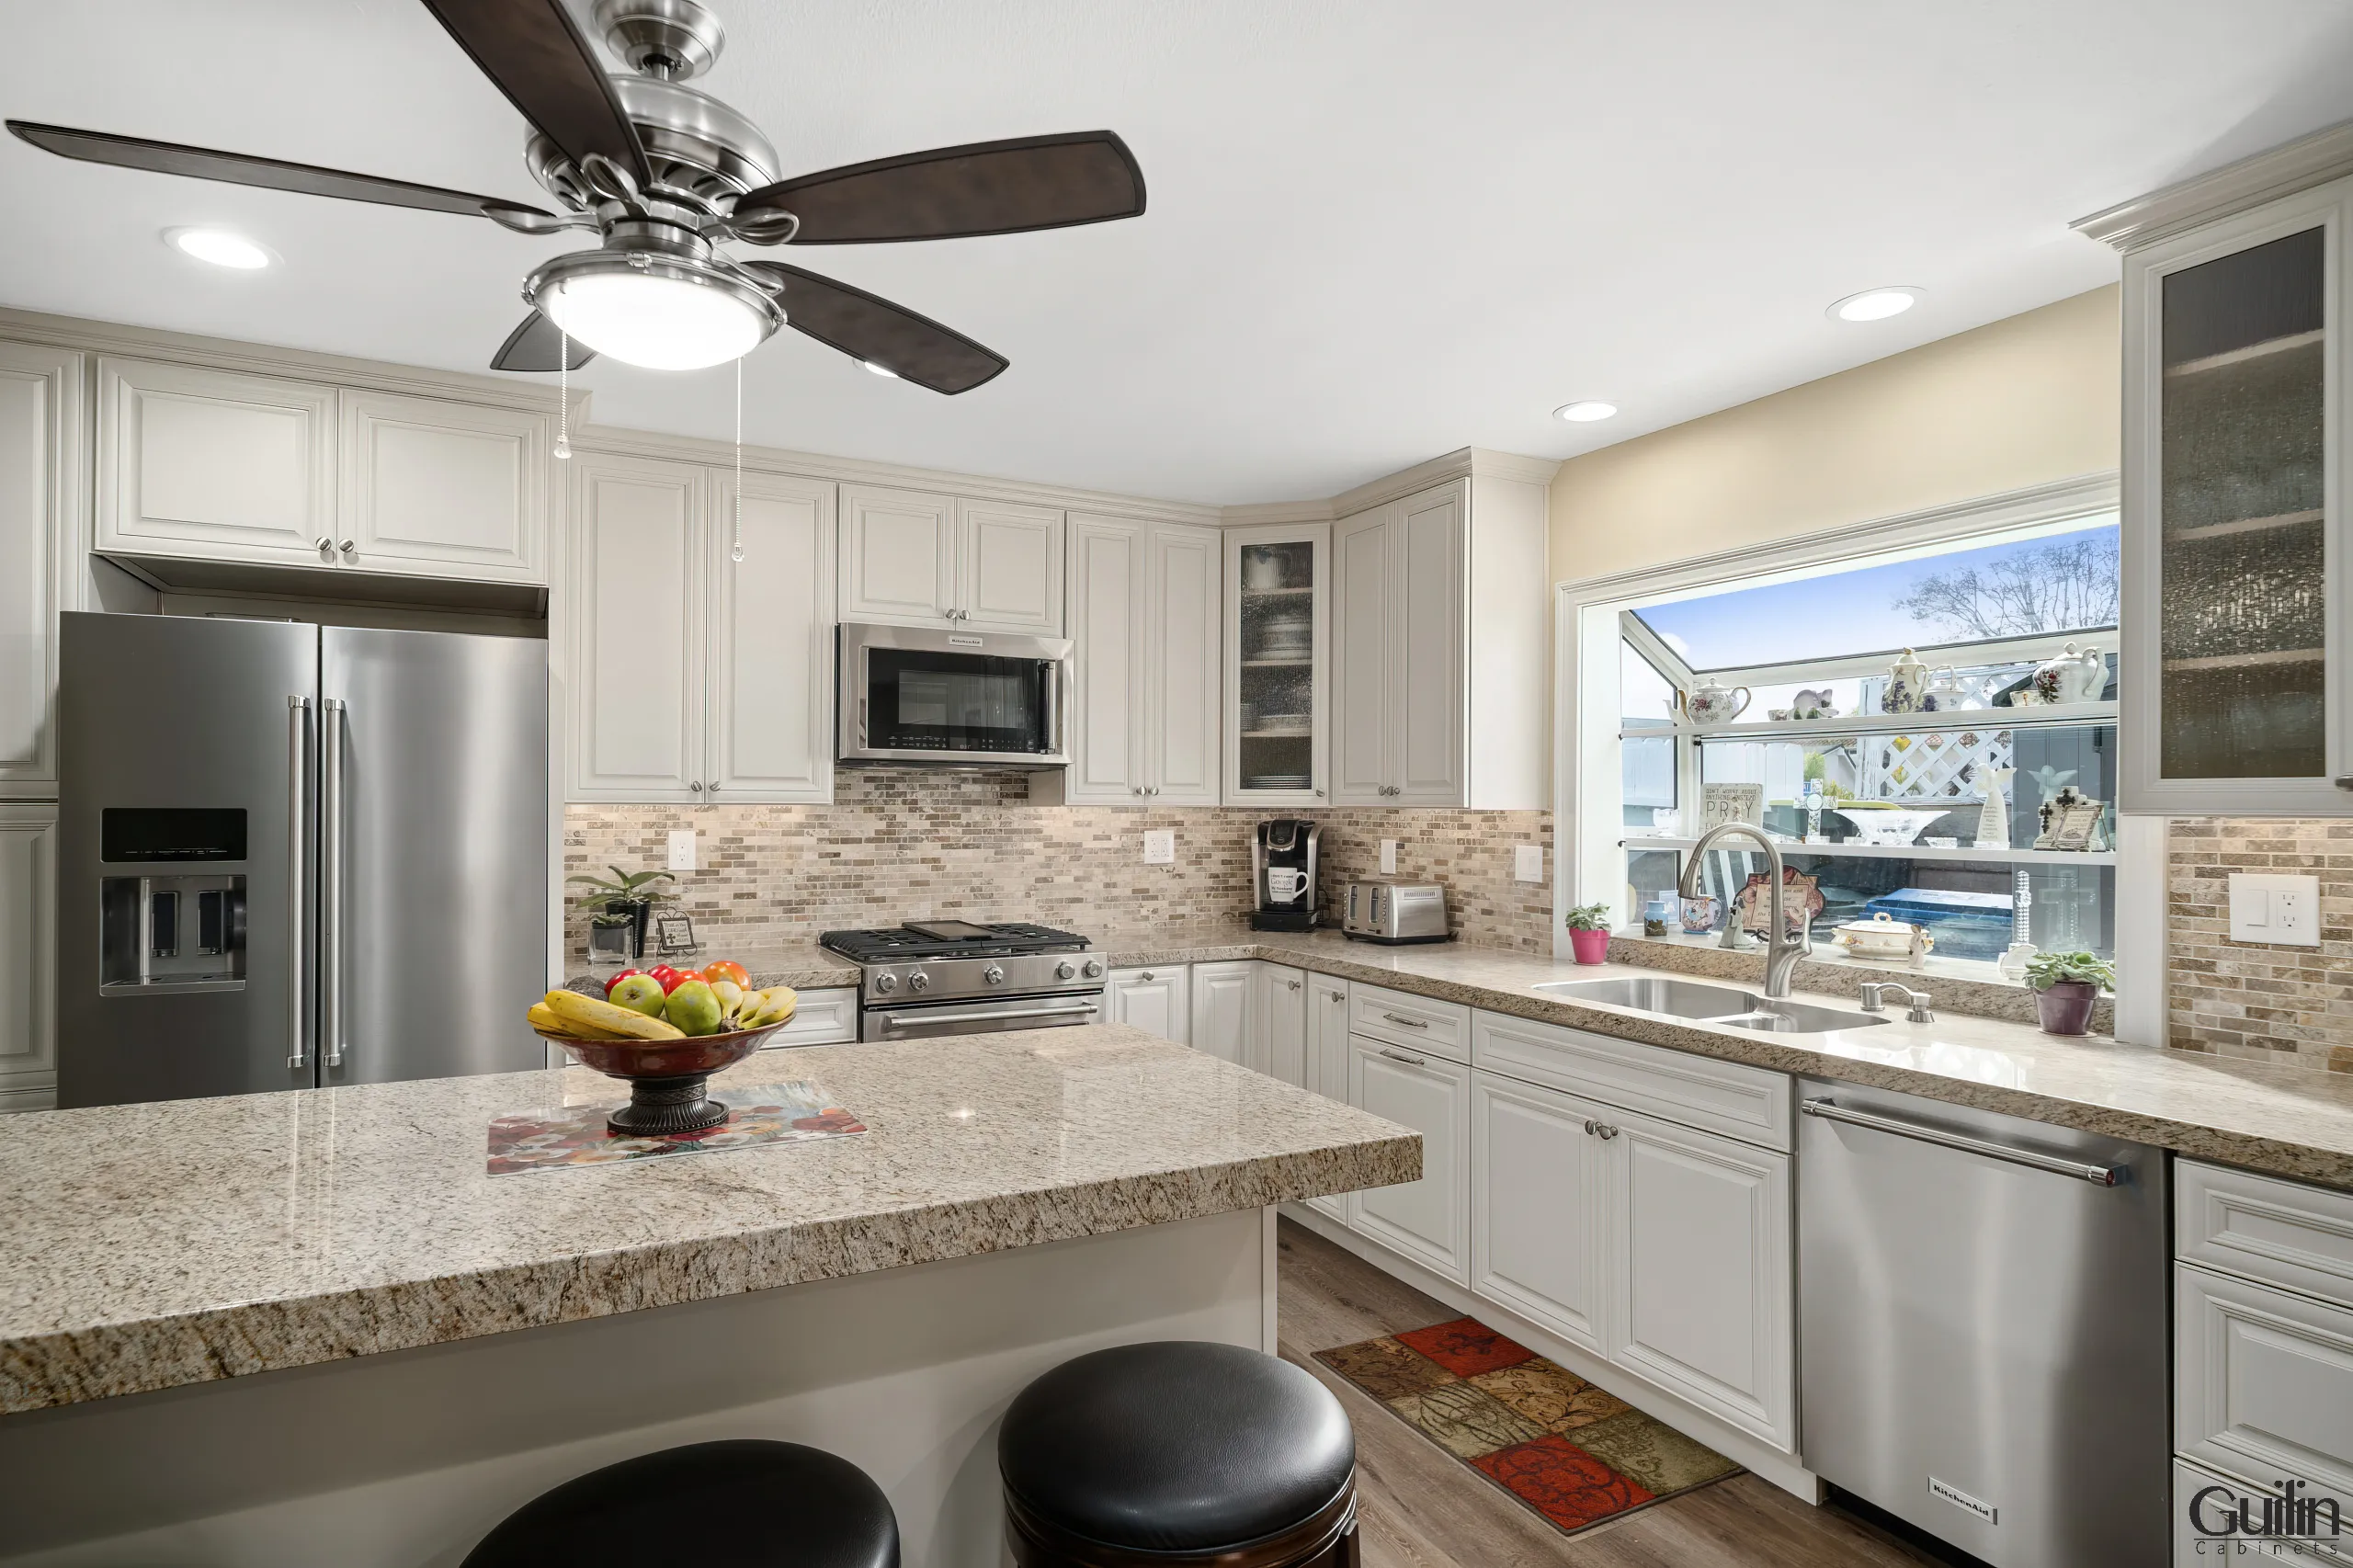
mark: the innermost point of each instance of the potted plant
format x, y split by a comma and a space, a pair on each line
625, 898
2065, 986
1589, 933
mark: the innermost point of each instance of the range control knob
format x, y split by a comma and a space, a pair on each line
993, 975
886, 982
918, 980
1095, 969
1066, 971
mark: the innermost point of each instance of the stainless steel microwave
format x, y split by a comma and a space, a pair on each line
942, 697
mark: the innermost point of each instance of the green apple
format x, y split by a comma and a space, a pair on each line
639, 993
692, 1010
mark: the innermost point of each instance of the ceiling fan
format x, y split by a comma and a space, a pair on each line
664, 173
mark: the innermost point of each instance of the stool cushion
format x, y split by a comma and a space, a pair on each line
739, 1504
1175, 1446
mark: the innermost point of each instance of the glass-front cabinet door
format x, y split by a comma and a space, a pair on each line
2234, 565
1277, 632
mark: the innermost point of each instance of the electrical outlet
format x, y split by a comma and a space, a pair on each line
682, 850
1388, 856
1160, 848
1528, 862
2281, 911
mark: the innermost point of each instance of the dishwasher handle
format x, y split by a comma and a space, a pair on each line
2098, 1176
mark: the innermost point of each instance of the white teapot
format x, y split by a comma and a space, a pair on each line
2079, 675
1711, 704
1907, 682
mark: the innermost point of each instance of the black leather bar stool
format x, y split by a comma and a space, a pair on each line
743, 1503
1179, 1455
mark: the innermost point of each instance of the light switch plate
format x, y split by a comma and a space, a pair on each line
1388, 856
1160, 848
1528, 862
2281, 911
682, 850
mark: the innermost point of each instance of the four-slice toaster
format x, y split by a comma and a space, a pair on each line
1394, 912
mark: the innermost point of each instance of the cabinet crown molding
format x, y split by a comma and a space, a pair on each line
2298, 165
1464, 462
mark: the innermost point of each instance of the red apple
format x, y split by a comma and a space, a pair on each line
671, 979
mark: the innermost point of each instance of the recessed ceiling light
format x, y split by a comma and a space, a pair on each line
219, 247
879, 369
1875, 304
1586, 412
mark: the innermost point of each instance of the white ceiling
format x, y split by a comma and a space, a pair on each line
1379, 230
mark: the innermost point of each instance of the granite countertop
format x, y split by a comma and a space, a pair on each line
2287, 1121
185, 1241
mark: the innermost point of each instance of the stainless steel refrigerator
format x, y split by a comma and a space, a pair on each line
294, 855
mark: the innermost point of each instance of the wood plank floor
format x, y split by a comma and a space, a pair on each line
1423, 1508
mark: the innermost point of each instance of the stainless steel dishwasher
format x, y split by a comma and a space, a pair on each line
1983, 1336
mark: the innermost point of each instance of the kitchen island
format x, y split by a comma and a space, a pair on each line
309, 1326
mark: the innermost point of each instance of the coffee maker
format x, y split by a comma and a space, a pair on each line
1282, 874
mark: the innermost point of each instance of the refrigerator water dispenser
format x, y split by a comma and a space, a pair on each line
175, 933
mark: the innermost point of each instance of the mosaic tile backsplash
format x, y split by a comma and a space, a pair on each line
2248, 1000
906, 844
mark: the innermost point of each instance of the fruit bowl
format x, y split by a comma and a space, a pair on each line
666, 1078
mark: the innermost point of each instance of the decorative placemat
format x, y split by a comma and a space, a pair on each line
1569, 1451
564, 1137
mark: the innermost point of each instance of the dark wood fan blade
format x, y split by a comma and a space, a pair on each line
270, 174
537, 345
535, 54
866, 326
988, 187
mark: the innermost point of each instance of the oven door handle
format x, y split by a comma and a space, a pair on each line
908, 1019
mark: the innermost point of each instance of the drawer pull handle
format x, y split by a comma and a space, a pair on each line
1409, 1023
1400, 1056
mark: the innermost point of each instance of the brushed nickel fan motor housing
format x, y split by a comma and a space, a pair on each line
675, 40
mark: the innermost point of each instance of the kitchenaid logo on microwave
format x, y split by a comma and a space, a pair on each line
2290, 1523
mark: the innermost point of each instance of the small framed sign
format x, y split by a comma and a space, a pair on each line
674, 935
1721, 803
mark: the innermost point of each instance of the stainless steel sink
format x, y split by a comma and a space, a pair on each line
1711, 1004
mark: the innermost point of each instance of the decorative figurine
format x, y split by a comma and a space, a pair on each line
2076, 675
1994, 816
2071, 820
1813, 704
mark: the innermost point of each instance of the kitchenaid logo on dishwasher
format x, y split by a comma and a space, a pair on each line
1963, 1501
2290, 1523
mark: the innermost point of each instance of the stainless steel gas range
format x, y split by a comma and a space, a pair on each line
942, 977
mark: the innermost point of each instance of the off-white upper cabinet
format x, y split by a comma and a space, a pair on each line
1143, 613
913, 557
196, 463
1277, 657
695, 674
41, 451
1438, 648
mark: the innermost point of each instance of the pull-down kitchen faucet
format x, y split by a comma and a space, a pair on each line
1781, 950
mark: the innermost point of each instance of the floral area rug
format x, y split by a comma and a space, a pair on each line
1566, 1450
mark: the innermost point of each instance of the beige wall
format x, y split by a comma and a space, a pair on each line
2025, 400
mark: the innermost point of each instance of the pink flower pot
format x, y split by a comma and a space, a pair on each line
2066, 1006
1590, 947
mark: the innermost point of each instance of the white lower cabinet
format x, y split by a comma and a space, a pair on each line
1327, 1061
1277, 1043
1539, 1198
2219, 1518
1222, 1010
821, 1017
1156, 1000
28, 956
1429, 1220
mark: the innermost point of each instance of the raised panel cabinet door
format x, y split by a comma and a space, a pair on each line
1158, 1000
1222, 1010
2263, 1380
1327, 1061
1364, 630
27, 959
1426, 692
214, 465
451, 489
1700, 1260
1181, 674
638, 637
1011, 578
1427, 1220
1539, 1176
772, 640
1109, 567
1279, 1024
42, 454
898, 556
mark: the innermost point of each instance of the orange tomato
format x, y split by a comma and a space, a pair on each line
728, 969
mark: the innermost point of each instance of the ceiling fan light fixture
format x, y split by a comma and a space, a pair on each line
219, 247
658, 313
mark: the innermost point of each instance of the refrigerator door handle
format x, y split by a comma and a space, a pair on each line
331, 881
298, 892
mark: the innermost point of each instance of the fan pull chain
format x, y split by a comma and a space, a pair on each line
564, 397
737, 554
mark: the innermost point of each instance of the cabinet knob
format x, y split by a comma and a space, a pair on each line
714, 788
696, 786
1295, 985
350, 550
1145, 975
326, 548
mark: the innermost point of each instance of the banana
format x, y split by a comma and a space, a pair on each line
619, 1021
547, 1018
774, 1005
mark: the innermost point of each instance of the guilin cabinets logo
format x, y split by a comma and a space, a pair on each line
2288, 1524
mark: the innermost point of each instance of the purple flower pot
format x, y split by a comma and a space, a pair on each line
2066, 1006
1590, 947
